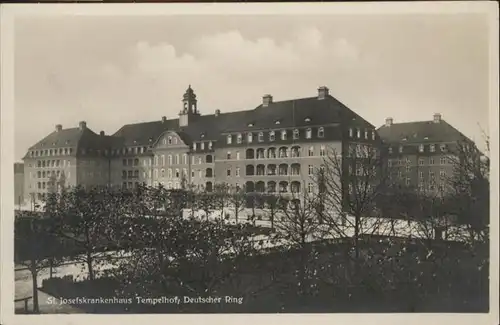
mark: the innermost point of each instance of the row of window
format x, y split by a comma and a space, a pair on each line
432, 175
272, 135
273, 153
201, 145
367, 133
421, 161
52, 163
421, 148
49, 173
51, 152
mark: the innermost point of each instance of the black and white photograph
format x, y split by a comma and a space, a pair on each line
250, 159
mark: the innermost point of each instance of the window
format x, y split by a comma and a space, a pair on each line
177, 160
229, 139
310, 170
271, 136
237, 173
200, 173
202, 145
228, 172
308, 133
358, 133
169, 173
239, 138
124, 161
373, 135
421, 148
250, 137
200, 160
390, 150
321, 132
400, 174
442, 147
283, 135
170, 159
366, 134
322, 151
210, 145
408, 180
177, 173
442, 161
432, 148
400, 149
261, 137
351, 132
389, 163
295, 134
208, 159
228, 155
237, 155
310, 152
194, 146
192, 174
310, 187
421, 175
442, 174
185, 159
169, 140
408, 168
421, 161
431, 161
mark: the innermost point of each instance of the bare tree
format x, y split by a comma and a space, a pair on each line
349, 183
36, 246
237, 200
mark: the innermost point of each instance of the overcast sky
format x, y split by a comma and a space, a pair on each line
111, 71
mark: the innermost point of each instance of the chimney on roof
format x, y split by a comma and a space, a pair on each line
323, 92
437, 118
58, 127
83, 125
163, 119
267, 100
388, 121
101, 133
217, 112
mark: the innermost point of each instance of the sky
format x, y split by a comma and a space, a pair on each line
110, 71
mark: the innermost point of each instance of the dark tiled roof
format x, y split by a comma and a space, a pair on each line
420, 132
141, 133
76, 138
290, 113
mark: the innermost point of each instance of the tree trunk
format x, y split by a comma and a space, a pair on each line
356, 245
34, 275
90, 267
51, 267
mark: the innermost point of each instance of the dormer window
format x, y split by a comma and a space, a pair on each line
229, 139
150, 139
426, 138
359, 133
239, 138
405, 139
202, 135
421, 148
351, 132
169, 140
283, 135
373, 135
210, 145
271, 136
321, 132
307, 120
250, 137
295, 134
202, 145
261, 136
250, 124
366, 134
277, 122
308, 133
432, 148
